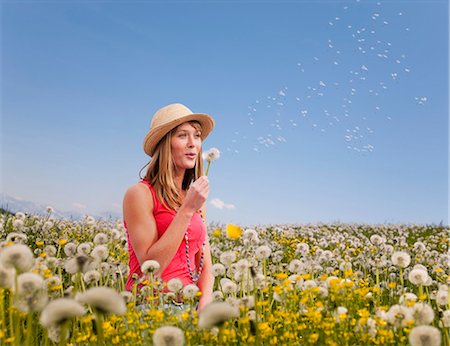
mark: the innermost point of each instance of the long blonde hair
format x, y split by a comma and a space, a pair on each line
160, 172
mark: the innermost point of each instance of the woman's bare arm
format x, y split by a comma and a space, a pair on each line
141, 224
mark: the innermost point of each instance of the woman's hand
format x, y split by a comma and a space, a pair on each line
197, 194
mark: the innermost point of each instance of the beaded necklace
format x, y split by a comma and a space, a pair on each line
192, 273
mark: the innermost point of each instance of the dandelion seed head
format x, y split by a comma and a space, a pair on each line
18, 256
425, 336
60, 310
216, 313
104, 299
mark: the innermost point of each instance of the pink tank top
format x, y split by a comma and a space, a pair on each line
178, 267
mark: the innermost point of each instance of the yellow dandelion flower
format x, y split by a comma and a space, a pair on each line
217, 233
313, 338
62, 242
392, 284
233, 231
39, 243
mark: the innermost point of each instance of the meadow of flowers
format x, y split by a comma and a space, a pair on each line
63, 282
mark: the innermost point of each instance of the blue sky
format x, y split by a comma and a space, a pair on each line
325, 111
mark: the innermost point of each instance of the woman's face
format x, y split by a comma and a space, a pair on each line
186, 145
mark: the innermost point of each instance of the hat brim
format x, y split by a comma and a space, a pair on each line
155, 135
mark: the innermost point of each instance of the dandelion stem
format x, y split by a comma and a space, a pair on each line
207, 168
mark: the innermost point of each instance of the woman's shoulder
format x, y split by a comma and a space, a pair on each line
139, 192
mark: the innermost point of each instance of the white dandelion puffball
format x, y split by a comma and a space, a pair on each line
104, 299
91, 276
190, 291
17, 256
149, 266
211, 154
228, 257
399, 315
168, 336
49, 210
100, 252
401, 259
20, 216
446, 318
263, 252
7, 277
60, 310
425, 336
418, 276
442, 297
70, 249
216, 313
100, 239
174, 285
218, 269
423, 313
28, 283
228, 286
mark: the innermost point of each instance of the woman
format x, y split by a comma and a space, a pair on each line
164, 213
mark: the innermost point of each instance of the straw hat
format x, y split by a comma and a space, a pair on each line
169, 117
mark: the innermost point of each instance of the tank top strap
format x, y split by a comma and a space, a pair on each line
156, 203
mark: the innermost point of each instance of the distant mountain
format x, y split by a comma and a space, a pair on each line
14, 205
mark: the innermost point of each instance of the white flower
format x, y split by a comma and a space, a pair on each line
174, 285
7, 277
49, 210
104, 299
20, 216
100, 252
341, 310
84, 249
100, 239
149, 266
29, 283
211, 154
442, 297
217, 296
190, 291
263, 252
77, 264
296, 266
60, 310
50, 250
90, 220
91, 276
422, 313
376, 240
418, 276
18, 256
216, 313
228, 286
302, 248
401, 259
15, 237
446, 318
407, 297
399, 315
18, 224
70, 249
425, 336
251, 235
228, 257
168, 336
218, 269
248, 302
242, 265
